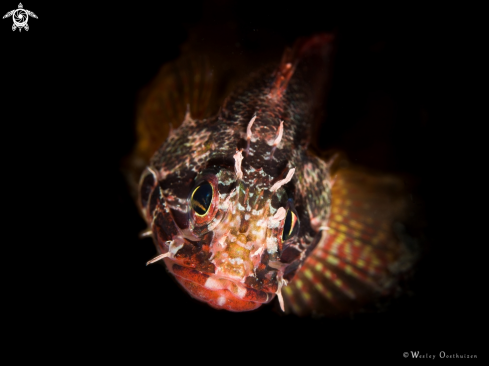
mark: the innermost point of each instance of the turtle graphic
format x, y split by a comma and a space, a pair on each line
20, 17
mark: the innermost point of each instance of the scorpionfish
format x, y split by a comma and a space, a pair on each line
241, 211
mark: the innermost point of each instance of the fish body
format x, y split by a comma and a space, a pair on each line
240, 211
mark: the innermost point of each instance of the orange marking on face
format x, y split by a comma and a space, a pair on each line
190, 274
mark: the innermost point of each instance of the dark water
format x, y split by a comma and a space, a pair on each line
84, 272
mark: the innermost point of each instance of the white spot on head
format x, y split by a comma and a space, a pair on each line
213, 284
221, 300
271, 245
241, 292
238, 158
258, 233
236, 260
257, 212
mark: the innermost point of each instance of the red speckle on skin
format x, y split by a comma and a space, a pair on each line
194, 282
212, 297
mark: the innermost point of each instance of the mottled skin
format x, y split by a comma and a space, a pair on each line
234, 257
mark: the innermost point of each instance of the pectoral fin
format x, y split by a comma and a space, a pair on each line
361, 256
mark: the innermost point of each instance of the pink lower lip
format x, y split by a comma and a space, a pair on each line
194, 282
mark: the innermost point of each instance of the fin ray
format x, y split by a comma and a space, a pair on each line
187, 81
360, 258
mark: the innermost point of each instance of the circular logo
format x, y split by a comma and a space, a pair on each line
405, 354
20, 17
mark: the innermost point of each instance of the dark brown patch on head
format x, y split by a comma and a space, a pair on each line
245, 224
221, 160
180, 185
261, 271
180, 218
291, 270
225, 189
163, 227
289, 254
253, 282
265, 257
275, 202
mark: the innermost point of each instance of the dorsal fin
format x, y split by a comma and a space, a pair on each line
302, 48
183, 85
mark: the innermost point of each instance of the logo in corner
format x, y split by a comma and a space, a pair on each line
20, 17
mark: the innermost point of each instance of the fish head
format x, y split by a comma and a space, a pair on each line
225, 238
225, 198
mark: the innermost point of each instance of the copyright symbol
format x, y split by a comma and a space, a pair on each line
405, 354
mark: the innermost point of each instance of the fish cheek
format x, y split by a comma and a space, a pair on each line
180, 218
164, 223
279, 199
163, 229
196, 254
177, 188
291, 270
202, 254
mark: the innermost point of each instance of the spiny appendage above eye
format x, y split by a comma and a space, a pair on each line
289, 225
202, 198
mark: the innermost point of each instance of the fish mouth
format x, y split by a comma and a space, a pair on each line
219, 292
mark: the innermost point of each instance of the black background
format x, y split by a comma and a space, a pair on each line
74, 269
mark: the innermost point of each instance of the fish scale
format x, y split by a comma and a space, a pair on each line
339, 249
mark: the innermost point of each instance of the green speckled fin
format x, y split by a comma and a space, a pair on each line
363, 253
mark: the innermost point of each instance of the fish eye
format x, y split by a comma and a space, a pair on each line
201, 198
289, 225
